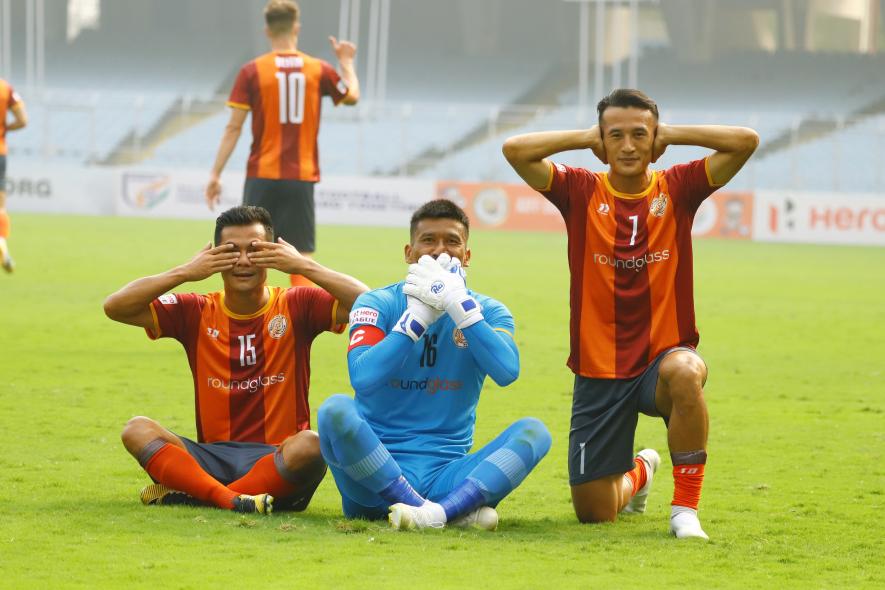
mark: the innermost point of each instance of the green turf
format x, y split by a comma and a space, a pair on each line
793, 336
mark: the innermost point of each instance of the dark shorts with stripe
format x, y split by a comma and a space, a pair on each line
227, 461
604, 417
291, 206
2, 173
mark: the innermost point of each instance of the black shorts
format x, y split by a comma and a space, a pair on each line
2, 173
291, 206
604, 417
227, 461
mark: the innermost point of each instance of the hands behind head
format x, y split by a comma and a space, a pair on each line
279, 255
596, 144
660, 143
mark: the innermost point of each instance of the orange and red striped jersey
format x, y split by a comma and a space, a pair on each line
8, 98
284, 91
630, 258
251, 373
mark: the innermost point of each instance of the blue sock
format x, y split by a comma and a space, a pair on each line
349, 443
526, 443
467, 497
401, 491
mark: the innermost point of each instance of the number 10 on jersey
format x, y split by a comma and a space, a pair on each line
291, 85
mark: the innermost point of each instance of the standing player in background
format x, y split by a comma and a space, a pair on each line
10, 102
419, 353
283, 89
633, 333
248, 348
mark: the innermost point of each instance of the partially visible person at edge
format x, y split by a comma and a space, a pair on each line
10, 102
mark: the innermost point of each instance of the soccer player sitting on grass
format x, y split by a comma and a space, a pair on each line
419, 353
248, 348
633, 333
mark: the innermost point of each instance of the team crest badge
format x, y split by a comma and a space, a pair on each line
458, 338
658, 205
277, 326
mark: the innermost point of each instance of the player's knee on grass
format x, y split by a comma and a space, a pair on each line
138, 432
535, 434
302, 458
337, 416
598, 500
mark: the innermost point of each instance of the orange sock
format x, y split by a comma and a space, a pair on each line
637, 476
173, 467
4, 224
301, 281
264, 478
687, 481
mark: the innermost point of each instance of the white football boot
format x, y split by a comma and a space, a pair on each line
405, 517
684, 523
484, 517
652, 461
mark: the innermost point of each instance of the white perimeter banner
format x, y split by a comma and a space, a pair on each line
378, 201
178, 193
339, 200
819, 218
44, 188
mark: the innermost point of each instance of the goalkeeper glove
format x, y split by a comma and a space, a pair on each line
416, 319
443, 289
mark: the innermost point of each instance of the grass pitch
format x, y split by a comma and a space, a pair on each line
793, 336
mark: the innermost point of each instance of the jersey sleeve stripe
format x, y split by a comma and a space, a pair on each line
334, 323
710, 174
154, 333
238, 105
508, 332
549, 184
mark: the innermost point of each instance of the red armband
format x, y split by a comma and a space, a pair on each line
365, 335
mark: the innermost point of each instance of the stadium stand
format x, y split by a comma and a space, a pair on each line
102, 109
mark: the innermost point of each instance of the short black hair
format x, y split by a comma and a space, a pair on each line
244, 215
439, 209
627, 97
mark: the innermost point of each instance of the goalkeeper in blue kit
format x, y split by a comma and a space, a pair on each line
419, 353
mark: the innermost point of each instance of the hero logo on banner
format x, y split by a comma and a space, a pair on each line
826, 218
364, 315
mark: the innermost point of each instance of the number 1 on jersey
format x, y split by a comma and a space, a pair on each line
291, 87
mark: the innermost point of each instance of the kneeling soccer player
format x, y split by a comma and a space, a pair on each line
419, 352
248, 347
633, 332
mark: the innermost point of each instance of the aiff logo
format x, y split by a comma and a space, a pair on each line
145, 191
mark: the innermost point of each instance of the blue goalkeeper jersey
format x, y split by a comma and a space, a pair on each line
425, 410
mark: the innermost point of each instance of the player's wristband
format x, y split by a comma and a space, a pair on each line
412, 324
464, 310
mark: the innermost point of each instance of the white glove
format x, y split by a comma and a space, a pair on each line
443, 289
451, 265
416, 319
